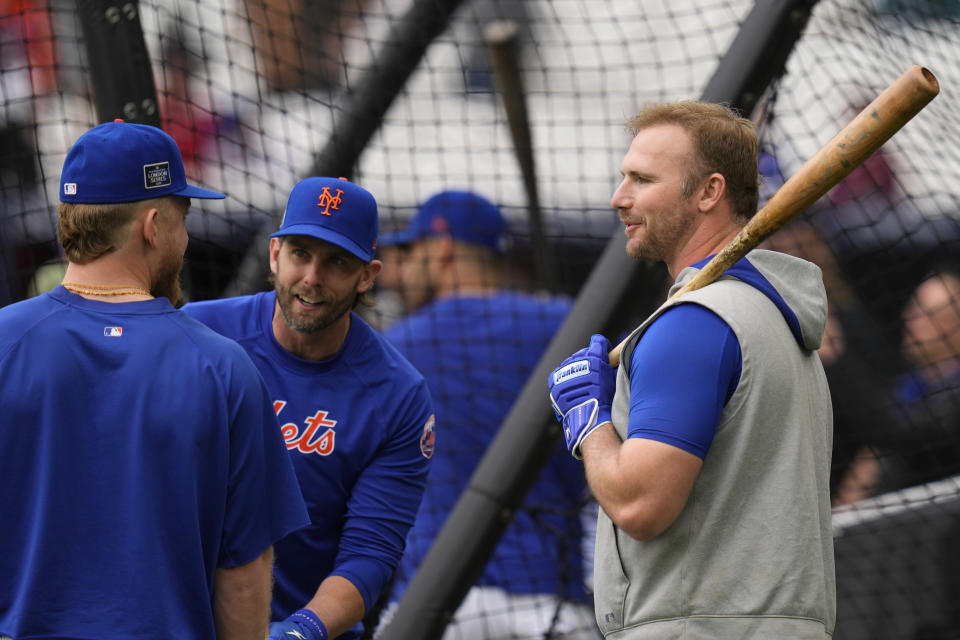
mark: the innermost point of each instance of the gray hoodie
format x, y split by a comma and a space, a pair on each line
751, 553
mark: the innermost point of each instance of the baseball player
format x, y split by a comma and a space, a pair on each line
356, 416
461, 311
143, 480
709, 448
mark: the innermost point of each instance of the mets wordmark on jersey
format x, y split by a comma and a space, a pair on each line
317, 435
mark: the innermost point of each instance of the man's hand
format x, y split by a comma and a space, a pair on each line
302, 624
581, 392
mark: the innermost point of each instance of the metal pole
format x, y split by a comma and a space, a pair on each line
120, 69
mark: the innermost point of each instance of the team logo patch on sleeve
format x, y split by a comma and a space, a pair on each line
157, 175
428, 441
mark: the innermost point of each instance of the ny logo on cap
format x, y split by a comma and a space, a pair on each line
326, 200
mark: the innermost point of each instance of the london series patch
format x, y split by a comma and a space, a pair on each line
157, 175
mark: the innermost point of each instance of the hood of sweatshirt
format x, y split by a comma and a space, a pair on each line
794, 285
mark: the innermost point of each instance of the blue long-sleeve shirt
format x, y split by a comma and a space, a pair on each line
359, 430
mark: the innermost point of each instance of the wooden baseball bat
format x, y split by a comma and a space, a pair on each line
501, 37
866, 133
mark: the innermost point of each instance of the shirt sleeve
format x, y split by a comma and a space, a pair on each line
683, 371
383, 503
264, 502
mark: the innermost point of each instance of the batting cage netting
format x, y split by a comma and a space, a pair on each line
524, 104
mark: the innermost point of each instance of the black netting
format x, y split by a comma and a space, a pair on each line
261, 93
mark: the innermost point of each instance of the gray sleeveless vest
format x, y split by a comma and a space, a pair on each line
751, 553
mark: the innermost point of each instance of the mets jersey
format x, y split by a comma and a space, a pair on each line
476, 353
359, 430
139, 454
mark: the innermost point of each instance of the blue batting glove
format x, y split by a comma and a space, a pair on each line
302, 624
581, 392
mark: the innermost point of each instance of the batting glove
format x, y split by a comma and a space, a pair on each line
581, 392
302, 624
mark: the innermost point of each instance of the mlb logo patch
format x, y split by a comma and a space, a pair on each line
157, 175
69, 188
112, 332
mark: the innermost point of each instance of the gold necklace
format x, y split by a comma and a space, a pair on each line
97, 290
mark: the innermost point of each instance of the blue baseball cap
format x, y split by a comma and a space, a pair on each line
124, 162
466, 216
334, 210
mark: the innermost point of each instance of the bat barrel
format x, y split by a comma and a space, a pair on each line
502, 40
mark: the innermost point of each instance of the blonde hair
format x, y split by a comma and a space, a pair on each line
723, 142
89, 231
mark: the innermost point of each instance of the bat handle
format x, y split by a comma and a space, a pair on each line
614, 355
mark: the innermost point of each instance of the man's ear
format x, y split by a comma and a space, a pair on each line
712, 191
274, 254
370, 272
151, 227
441, 246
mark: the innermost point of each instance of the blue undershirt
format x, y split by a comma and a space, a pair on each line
684, 369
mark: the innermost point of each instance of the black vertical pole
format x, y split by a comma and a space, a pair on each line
514, 459
120, 69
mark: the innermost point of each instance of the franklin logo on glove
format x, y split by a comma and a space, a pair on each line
581, 392
572, 370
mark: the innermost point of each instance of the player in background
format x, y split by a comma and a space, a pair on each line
143, 480
476, 343
356, 416
709, 448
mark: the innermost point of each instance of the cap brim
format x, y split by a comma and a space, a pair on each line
327, 235
191, 191
396, 238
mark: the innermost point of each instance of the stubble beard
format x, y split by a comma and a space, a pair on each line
662, 240
167, 283
417, 296
303, 324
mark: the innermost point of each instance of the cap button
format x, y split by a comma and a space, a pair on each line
342, 178
118, 119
